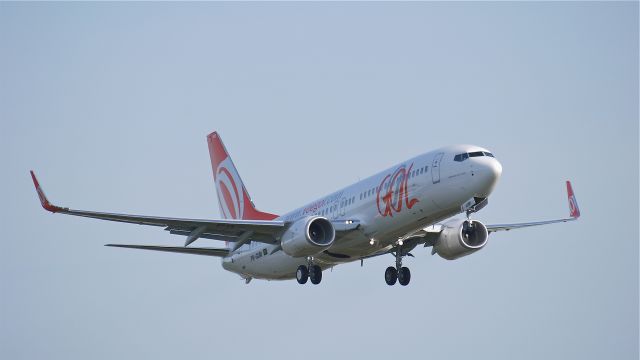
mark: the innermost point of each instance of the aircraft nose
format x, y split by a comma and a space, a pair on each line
494, 169
489, 171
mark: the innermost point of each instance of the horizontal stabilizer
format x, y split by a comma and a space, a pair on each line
175, 249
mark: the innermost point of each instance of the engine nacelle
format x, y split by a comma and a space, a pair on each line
460, 238
308, 236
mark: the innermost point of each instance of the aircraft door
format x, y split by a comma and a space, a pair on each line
435, 168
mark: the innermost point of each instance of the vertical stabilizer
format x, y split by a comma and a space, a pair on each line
233, 198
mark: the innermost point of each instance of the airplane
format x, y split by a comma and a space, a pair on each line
392, 212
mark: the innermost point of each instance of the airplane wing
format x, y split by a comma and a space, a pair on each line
574, 214
237, 231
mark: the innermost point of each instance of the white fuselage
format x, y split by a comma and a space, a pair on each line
389, 205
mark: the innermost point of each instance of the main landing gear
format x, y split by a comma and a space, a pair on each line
399, 273
313, 272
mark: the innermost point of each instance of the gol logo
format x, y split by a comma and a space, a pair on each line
393, 192
230, 192
573, 208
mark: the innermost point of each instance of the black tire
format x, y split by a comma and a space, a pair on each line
391, 275
315, 273
302, 274
404, 276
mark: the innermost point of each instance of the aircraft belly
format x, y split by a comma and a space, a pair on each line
276, 266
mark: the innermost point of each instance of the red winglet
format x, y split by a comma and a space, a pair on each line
574, 211
43, 198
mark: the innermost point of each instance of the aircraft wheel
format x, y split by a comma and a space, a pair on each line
315, 273
302, 274
404, 276
391, 275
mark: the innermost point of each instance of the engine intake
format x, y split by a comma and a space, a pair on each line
460, 238
308, 236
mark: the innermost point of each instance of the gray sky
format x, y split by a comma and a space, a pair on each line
111, 103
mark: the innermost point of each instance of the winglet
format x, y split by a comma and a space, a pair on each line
43, 198
574, 211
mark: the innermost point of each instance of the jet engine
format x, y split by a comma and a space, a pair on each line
460, 238
308, 236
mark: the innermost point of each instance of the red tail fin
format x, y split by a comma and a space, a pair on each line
574, 211
233, 198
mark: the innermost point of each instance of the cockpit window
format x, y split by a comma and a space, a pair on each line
461, 157
465, 156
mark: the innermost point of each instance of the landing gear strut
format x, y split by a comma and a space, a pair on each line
399, 273
312, 271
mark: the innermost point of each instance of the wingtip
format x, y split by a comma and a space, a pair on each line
44, 202
33, 177
574, 210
